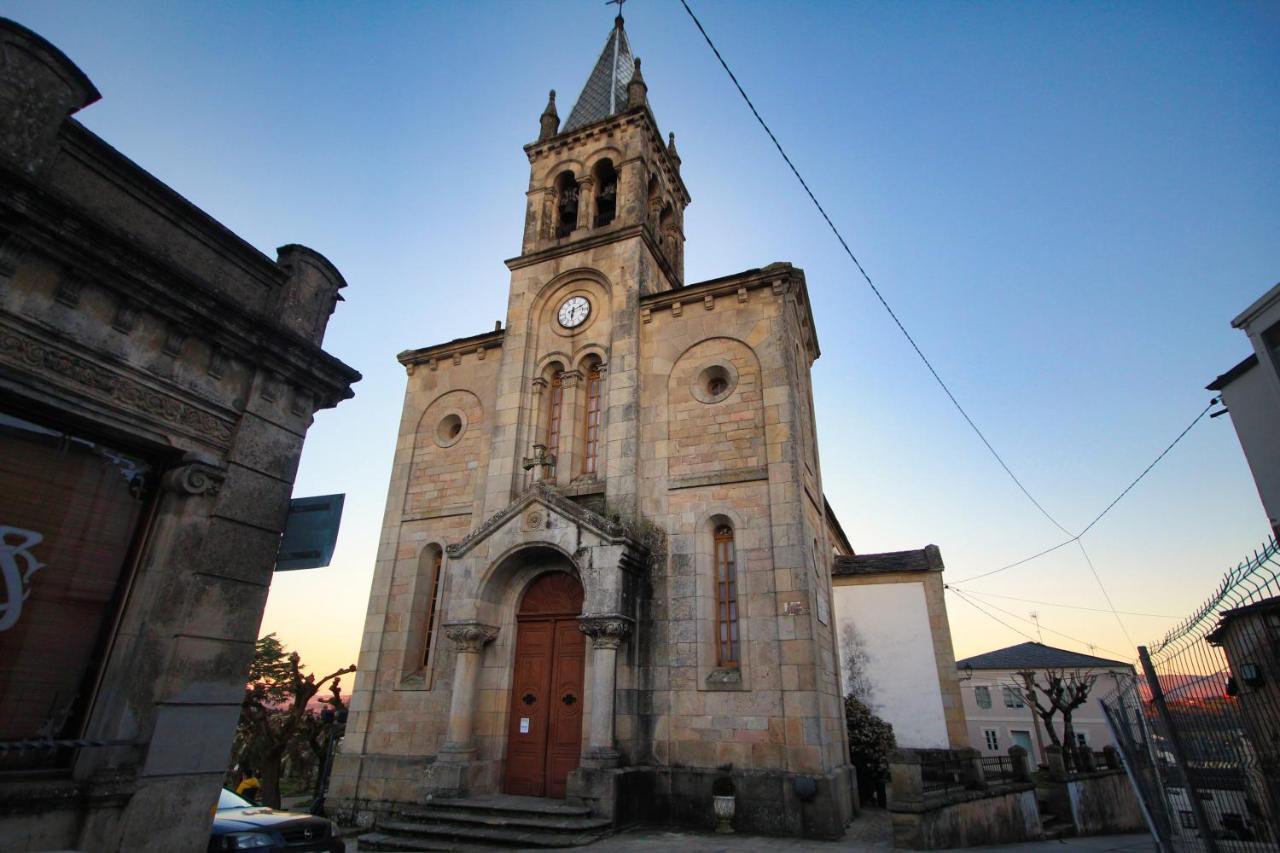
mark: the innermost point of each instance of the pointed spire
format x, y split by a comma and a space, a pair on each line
605, 93
550, 121
671, 149
637, 89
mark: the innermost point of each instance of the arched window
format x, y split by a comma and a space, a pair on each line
593, 413
566, 204
606, 192
555, 399
727, 642
431, 561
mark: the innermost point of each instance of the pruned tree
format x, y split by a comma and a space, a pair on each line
1053, 692
275, 720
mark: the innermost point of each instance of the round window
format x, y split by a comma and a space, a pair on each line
715, 382
449, 430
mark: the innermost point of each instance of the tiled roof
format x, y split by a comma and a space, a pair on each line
926, 559
606, 89
1036, 656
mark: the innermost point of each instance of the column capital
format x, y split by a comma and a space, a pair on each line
569, 378
470, 636
606, 630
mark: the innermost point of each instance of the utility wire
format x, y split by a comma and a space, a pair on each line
991, 616
870, 283
1038, 626
1055, 603
938, 378
1108, 509
1105, 594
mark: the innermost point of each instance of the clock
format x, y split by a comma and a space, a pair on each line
574, 312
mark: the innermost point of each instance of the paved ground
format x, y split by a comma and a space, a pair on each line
651, 841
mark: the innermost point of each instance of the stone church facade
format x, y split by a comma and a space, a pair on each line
605, 566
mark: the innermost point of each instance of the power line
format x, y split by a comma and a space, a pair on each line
1108, 509
992, 616
938, 378
1056, 604
870, 283
1038, 626
1105, 594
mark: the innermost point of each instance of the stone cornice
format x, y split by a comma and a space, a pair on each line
781, 276
594, 238
149, 281
457, 346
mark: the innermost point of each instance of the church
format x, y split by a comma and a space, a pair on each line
605, 571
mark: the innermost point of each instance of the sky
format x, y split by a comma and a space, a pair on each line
1065, 203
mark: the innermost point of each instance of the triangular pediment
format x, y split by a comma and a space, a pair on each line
556, 506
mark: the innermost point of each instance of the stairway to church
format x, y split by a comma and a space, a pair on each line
486, 823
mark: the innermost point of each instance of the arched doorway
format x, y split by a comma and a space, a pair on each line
544, 736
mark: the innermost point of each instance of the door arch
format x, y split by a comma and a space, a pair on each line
544, 733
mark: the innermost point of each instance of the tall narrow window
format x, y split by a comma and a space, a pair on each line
591, 458
726, 598
566, 204
606, 192
554, 399
434, 559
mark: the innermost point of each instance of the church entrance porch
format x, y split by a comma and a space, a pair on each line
544, 739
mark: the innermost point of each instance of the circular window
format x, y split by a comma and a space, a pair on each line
715, 382
449, 430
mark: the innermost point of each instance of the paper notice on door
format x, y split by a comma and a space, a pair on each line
524, 725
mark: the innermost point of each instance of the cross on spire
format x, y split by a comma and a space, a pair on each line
618, 20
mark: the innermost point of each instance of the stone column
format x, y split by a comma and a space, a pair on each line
471, 638
607, 633
586, 203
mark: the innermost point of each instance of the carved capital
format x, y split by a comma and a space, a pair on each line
607, 631
470, 636
198, 475
569, 378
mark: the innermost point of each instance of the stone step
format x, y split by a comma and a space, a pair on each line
510, 804
516, 820
438, 832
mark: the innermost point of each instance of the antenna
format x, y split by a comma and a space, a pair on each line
1035, 617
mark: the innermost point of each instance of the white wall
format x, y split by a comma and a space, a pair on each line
887, 627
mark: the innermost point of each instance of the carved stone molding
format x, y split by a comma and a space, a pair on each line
607, 631
63, 367
197, 476
470, 636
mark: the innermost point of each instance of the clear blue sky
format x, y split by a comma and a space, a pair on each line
1066, 204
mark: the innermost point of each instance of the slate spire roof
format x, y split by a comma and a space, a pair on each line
1037, 656
606, 91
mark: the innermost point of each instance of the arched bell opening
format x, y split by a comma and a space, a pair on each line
566, 204
606, 181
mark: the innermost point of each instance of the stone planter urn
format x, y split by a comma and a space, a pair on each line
724, 808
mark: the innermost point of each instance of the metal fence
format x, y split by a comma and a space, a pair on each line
1199, 732
940, 773
997, 768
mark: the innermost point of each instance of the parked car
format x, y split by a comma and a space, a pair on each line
240, 825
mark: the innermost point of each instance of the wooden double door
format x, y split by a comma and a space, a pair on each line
544, 736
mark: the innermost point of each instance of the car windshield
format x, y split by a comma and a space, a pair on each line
228, 800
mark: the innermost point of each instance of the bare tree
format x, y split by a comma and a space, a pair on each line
1057, 691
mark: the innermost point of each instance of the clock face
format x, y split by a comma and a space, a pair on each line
574, 312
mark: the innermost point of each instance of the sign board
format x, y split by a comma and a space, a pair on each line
310, 532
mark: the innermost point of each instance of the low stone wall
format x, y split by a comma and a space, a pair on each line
1099, 799
968, 809
767, 802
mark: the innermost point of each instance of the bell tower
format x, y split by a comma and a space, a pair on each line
603, 230
607, 172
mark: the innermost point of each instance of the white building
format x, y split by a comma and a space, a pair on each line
1251, 391
999, 717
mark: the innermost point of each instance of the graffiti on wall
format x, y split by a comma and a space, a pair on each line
17, 565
